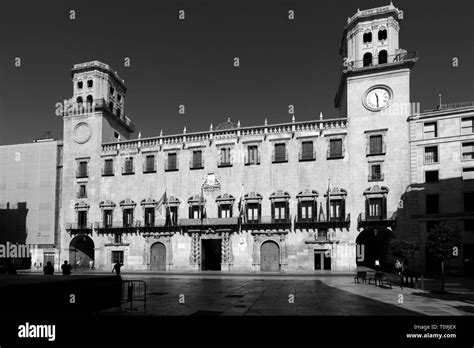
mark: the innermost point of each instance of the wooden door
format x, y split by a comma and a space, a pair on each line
269, 257
158, 257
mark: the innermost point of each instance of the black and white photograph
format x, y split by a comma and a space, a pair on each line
259, 172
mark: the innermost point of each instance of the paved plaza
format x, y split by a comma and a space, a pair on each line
238, 295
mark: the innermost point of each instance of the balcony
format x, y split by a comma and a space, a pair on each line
267, 223
224, 163
193, 164
149, 167
307, 156
383, 220
209, 223
398, 58
322, 222
158, 226
252, 159
82, 173
280, 158
334, 155
116, 227
376, 177
79, 228
128, 169
171, 167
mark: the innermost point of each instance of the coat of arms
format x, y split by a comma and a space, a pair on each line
212, 183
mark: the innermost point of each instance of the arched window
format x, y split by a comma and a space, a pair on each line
367, 37
89, 99
383, 57
111, 105
382, 34
79, 100
118, 112
368, 59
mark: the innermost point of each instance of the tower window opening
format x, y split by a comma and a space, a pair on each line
79, 84
367, 37
118, 112
382, 34
112, 91
89, 83
79, 100
119, 97
368, 59
111, 105
89, 99
383, 57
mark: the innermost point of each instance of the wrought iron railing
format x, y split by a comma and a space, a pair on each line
380, 60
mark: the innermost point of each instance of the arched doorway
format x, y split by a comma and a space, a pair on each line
81, 251
269, 257
158, 257
373, 243
383, 58
367, 59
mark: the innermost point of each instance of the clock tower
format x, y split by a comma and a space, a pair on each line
374, 95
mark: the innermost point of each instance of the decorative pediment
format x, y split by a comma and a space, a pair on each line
336, 191
81, 206
196, 200
253, 197
107, 204
148, 202
376, 189
225, 198
307, 194
280, 195
127, 203
173, 201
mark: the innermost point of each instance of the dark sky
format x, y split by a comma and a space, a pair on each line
190, 62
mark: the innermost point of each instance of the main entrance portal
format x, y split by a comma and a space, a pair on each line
158, 257
269, 257
211, 255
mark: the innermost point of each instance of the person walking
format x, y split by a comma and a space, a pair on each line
66, 268
91, 264
48, 269
117, 268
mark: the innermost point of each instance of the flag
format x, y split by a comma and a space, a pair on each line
163, 200
328, 201
202, 205
241, 217
321, 213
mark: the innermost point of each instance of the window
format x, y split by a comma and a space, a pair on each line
252, 155
149, 217
253, 211
82, 191
432, 204
383, 58
195, 212
279, 154
149, 166
468, 202
224, 160
376, 146
430, 130
118, 111
112, 91
118, 238
374, 208
89, 83
119, 97
382, 34
335, 148
128, 167
431, 176
225, 211
468, 173
111, 106
172, 163
82, 219
431, 154
79, 84
107, 218
89, 99
280, 211
116, 135
468, 151
467, 125
307, 153
322, 234
367, 60
336, 207
82, 170
367, 37
117, 256
128, 217
307, 211
173, 215
108, 167
375, 172
197, 162
79, 100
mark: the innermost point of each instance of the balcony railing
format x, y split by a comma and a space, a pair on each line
387, 219
335, 154
267, 223
280, 158
376, 177
171, 167
149, 168
82, 173
224, 163
252, 160
382, 150
323, 222
307, 156
108, 171
79, 227
384, 61
116, 225
128, 169
193, 164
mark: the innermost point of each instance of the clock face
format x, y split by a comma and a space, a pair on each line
377, 98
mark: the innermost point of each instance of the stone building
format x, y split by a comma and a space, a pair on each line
291, 196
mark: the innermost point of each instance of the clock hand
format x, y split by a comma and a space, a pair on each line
377, 97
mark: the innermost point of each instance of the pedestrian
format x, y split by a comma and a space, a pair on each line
91, 264
78, 263
48, 269
117, 268
377, 265
66, 268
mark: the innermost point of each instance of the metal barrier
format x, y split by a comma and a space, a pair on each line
133, 290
